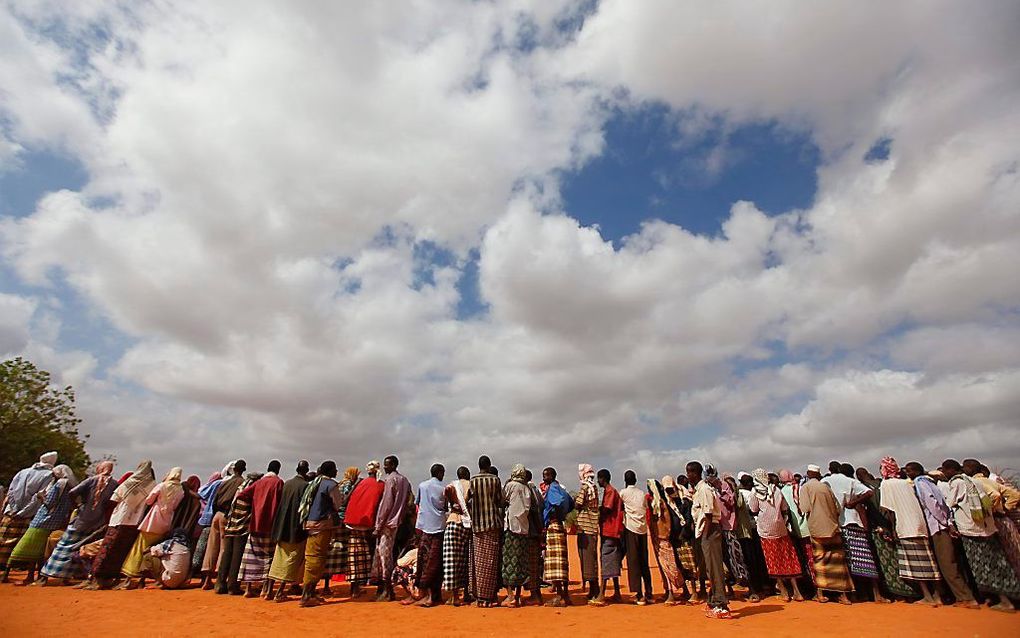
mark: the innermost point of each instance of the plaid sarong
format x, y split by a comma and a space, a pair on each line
64, 562
12, 528
556, 562
612, 557
515, 560
831, 572
992, 572
485, 563
257, 558
359, 556
429, 570
859, 553
534, 562
336, 562
781, 557
917, 560
456, 540
685, 556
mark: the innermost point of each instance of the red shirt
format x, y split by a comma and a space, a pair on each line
611, 513
363, 503
264, 496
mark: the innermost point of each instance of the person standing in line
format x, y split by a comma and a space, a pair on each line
485, 506
222, 503
320, 503
21, 504
974, 520
517, 497
430, 524
264, 496
457, 537
53, 515
587, 504
771, 511
557, 563
681, 533
122, 531
536, 533
359, 518
706, 510
392, 507
822, 510
1005, 503
289, 536
163, 500
851, 494
635, 538
660, 528
337, 561
611, 551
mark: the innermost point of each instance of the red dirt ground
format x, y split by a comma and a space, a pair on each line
62, 611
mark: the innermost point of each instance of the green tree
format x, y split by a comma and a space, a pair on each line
36, 417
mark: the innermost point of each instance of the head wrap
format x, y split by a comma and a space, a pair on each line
48, 459
125, 476
65, 473
172, 483
586, 473
141, 480
228, 470
787, 478
668, 482
655, 490
519, 473
193, 483
351, 474
762, 487
741, 475
215, 476
179, 535
373, 466
889, 468
103, 471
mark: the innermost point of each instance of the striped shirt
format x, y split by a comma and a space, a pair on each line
485, 503
587, 503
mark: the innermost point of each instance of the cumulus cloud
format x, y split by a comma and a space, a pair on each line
268, 186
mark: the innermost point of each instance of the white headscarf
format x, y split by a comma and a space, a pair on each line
62, 472
48, 459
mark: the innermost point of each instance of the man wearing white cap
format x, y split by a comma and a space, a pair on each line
819, 505
23, 501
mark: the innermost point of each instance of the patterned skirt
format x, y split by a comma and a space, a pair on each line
64, 561
12, 528
917, 560
666, 559
588, 551
336, 562
1009, 536
988, 563
257, 558
199, 555
734, 555
515, 559
485, 563
456, 539
781, 557
890, 565
359, 556
430, 560
685, 557
831, 571
31, 548
612, 554
863, 563
556, 562
116, 545
288, 562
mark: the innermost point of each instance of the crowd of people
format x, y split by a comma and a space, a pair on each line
944, 536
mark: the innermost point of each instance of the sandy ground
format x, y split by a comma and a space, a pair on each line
152, 613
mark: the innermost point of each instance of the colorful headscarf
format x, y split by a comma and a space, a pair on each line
351, 474
103, 471
787, 478
586, 473
889, 468
215, 476
372, 466
519, 473
762, 487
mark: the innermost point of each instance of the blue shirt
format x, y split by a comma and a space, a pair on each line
431, 502
208, 496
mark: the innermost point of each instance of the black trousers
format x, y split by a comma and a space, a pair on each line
230, 563
638, 570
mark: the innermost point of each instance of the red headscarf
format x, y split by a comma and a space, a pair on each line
889, 468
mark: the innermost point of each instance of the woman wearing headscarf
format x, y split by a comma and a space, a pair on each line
207, 493
122, 531
660, 529
53, 514
94, 494
587, 504
517, 496
800, 533
359, 519
21, 504
681, 534
771, 511
163, 499
188, 511
557, 505
336, 562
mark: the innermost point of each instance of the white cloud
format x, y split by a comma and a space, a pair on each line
261, 176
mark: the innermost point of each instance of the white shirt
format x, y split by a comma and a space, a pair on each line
897, 495
130, 510
846, 489
634, 510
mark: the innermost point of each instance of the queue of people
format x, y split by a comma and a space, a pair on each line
940, 537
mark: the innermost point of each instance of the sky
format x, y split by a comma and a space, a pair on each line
629, 234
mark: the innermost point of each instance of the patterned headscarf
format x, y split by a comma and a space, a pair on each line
655, 490
373, 466
762, 487
141, 480
351, 474
889, 468
103, 471
668, 482
519, 473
